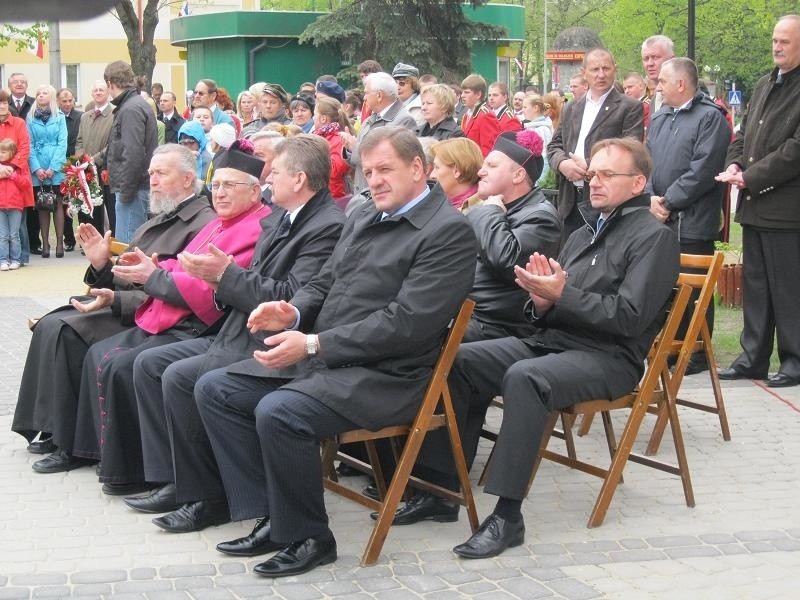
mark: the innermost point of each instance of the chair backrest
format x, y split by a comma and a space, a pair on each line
700, 272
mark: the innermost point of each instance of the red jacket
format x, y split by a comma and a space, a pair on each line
339, 167
13, 189
508, 122
15, 129
482, 127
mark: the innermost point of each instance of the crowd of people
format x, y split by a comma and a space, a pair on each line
294, 261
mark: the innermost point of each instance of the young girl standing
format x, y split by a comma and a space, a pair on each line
12, 202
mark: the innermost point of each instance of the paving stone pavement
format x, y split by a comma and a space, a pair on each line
61, 537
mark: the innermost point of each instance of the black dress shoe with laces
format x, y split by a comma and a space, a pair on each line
780, 380
59, 462
493, 537
195, 516
424, 507
300, 557
161, 500
257, 542
44, 445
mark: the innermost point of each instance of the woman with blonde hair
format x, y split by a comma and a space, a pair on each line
47, 128
456, 163
535, 109
554, 112
247, 107
438, 104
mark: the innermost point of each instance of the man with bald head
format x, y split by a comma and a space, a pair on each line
600, 114
656, 50
764, 163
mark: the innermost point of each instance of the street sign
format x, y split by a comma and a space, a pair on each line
735, 98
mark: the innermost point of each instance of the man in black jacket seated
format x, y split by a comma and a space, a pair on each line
297, 239
355, 349
599, 308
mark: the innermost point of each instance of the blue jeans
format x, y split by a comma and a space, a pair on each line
131, 215
10, 247
25, 255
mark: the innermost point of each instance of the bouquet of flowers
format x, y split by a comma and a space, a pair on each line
81, 186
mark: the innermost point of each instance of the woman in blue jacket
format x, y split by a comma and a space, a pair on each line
48, 132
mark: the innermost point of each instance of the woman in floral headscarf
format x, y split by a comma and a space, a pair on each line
48, 132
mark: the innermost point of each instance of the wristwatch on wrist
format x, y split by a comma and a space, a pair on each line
311, 344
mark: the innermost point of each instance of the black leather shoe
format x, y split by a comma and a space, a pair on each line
257, 542
160, 501
299, 557
371, 491
195, 516
424, 507
344, 470
730, 374
126, 488
69, 247
696, 365
42, 446
493, 537
780, 380
59, 462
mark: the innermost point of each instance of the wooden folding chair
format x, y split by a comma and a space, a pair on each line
427, 419
696, 339
648, 393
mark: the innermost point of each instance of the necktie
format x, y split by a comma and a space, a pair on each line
600, 222
97, 112
19, 104
283, 228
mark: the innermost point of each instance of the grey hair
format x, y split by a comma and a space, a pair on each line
309, 154
659, 40
381, 82
684, 68
187, 162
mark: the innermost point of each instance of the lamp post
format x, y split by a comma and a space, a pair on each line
544, 53
690, 26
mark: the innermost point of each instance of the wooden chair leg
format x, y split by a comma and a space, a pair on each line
618, 463
680, 452
569, 439
377, 468
586, 424
486, 467
715, 385
548, 433
611, 438
461, 463
329, 449
658, 430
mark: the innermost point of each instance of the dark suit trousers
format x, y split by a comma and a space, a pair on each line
286, 483
533, 382
173, 437
108, 398
770, 291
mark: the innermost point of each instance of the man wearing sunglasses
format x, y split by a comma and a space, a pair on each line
598, 309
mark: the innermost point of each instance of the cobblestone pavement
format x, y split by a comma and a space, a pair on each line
60, 536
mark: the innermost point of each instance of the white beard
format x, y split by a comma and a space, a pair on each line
162, 205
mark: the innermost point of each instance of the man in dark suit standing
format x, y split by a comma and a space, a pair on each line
172, 120
354, 348
66, 102
600, 114
764, 163
297, 239
20, 103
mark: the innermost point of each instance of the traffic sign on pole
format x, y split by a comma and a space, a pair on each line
735, 98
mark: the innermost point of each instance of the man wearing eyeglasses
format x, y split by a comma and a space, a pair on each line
687, 139
205, 94
296, 240
601, 113
179, 306
598, 309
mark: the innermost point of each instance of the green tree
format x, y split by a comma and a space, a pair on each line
21, 37
433, 35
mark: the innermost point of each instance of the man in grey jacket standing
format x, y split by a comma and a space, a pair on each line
130, 147
687, 139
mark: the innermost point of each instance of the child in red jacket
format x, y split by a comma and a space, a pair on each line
13, 183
